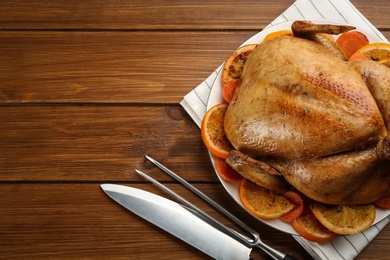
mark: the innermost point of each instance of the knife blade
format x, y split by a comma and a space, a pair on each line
179, 221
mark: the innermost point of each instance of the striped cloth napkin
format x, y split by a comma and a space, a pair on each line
195, 102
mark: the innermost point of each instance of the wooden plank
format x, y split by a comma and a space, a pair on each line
140, 15
47, 220
96, 143
89, 93
109, 67
375, 11
182, 15
93, 226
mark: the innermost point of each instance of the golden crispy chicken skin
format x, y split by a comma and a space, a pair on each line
314, 118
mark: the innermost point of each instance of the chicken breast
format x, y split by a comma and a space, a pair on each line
297, 100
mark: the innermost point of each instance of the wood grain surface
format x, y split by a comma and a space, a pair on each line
87, 88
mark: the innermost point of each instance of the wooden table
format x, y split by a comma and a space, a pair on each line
87, 88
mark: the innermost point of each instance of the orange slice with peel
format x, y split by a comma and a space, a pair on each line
383, 203
278, 34
351, 41
373, 51
213, 133
311, 229
225, 171
344, 220
261, 202
296, 199
232, 70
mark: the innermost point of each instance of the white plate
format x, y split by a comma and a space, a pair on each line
216, 98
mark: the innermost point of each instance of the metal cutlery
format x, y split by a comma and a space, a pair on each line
255, 242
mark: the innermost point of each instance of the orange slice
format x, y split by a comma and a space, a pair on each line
213, 133
232, 70
261, 202
311, 229
225, 171
351, 41
383, 203
297, 200
278, 34
373, 51
344, 220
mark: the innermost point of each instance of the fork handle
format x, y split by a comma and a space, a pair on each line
288, 257
273, 252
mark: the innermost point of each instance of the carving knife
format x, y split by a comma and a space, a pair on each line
182, 222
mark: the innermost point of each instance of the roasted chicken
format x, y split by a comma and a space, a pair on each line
317, 120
